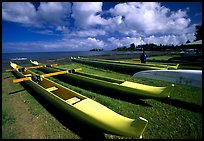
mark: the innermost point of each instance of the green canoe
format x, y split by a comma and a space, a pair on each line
113, 86
120, 67
131, 63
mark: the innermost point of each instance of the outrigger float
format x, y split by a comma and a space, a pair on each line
113, 86
79, 106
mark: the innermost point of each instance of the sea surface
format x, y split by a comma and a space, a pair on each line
53, 55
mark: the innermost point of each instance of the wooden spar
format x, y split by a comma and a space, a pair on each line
54, 73
45, 75
32, 67
21, 79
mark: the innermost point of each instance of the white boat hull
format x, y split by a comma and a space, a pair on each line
186, 77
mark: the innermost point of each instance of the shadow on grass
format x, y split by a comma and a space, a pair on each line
82, 129
103, 91
9, 77
16, 91
95, 88
182, 104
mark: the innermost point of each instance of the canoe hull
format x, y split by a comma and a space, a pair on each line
112, 86
186, 77
137, 64
87, 110
123, 68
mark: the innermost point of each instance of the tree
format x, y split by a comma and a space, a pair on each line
198, 33
132, 46
188, 42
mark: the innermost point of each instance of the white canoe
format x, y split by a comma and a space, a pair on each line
186, 77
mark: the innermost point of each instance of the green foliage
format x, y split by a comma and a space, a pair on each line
124, 48
132, 46
187, 41
199, 32
148, 47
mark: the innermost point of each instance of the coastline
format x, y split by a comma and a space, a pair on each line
67, 60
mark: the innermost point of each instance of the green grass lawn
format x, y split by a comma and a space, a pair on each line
179, 117
164, 57
176, 118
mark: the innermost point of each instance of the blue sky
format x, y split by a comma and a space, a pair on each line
81, 26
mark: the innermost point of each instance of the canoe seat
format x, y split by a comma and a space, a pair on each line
28, 75
52, 89
73, 100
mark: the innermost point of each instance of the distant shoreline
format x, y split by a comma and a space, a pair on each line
67, 60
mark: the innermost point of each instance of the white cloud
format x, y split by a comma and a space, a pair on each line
64, 44
169, 39
84, 13
132, 18
54, 12
131, 22
151, 18
85, 33
44, 32
93, 42
20, 12
126, 41
49, 13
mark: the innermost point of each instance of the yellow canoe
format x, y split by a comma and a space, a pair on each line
84, 108
113, 86
131, 63
119, 67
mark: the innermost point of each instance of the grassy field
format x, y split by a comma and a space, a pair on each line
179, 117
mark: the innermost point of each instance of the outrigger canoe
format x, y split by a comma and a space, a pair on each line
120, 67
82, 107
131, 63
113, 86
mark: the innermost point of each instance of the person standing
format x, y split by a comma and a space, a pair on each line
143, 57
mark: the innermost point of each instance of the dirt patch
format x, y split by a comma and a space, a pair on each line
25, 117
26, 125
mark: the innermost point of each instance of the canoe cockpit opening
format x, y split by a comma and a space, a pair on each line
59, 91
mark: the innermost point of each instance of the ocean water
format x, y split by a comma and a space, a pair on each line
53, 55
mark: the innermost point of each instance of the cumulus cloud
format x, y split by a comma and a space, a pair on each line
20, 12
169, 39
151, 18
49, 13
54, 12
81, 24
64, 44
125, 41
85, 13
85, 33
